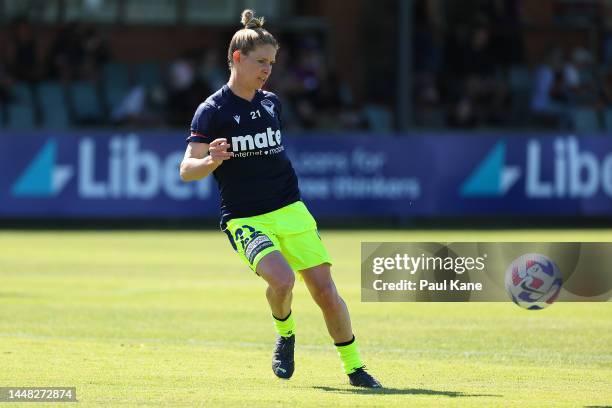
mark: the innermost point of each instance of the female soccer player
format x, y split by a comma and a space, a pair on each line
236, 136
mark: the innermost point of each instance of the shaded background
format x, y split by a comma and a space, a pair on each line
388, 69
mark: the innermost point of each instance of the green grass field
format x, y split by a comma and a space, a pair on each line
174, 319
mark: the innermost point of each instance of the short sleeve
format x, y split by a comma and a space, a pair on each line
202, 125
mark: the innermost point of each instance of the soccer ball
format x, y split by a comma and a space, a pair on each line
533, 281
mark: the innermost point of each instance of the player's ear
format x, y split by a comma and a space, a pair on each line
236, 56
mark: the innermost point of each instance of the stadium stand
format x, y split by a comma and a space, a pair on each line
474, 66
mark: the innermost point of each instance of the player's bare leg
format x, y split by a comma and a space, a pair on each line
323, 290
275, 270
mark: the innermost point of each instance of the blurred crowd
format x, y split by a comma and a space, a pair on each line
470, 72
77, 52
157, 94
314, 98
474, 74
567, 84
461, 72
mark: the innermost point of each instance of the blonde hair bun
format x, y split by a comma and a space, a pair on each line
247, 18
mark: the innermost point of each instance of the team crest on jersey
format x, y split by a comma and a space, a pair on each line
237, 118
269, 106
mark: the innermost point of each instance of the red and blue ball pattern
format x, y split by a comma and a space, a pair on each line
533, 281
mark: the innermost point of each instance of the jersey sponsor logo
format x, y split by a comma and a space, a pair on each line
237, 118
269, 138
268, 106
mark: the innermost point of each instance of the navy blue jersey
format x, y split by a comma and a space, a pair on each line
259, 178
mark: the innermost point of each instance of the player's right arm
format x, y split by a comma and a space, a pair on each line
201, 159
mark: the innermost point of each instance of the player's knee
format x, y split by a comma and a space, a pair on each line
283, 285
327, 297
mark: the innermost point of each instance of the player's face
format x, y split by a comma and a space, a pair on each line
256, 67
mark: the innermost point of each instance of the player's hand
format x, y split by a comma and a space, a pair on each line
217, 149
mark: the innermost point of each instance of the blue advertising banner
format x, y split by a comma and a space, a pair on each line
106, 174
98, 175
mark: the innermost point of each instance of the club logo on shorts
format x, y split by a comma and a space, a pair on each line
268, 106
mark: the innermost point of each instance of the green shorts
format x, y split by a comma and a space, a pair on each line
291, 230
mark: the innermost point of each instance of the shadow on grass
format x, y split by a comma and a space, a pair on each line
401, 391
